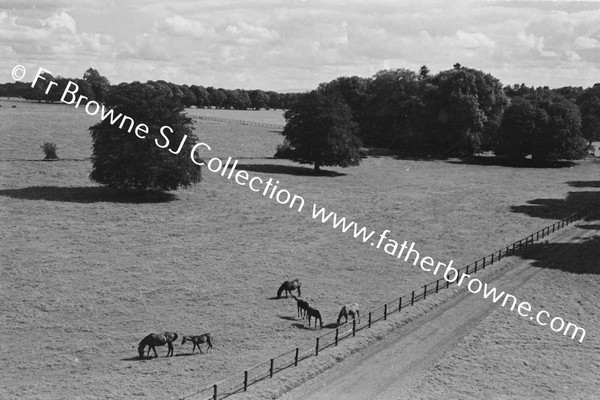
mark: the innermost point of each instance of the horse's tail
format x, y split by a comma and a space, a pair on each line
298, 287
281, 289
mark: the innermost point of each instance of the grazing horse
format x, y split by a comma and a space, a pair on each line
157, 339
312, 312
288, 286
349, 309
198, 340
302, 307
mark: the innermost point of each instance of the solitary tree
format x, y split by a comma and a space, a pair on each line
138, 159
320, 131
98, 83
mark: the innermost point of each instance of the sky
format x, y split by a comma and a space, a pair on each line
297, 44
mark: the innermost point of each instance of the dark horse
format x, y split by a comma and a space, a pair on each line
157, 339
349, 310
312, 312
198, 340
302, 306
288, 286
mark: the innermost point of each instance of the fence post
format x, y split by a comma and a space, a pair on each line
369, 319
271, 369
412, 299
317, 348
424, 292
476, 265
400, 304
467, 270
385, 311
296, 359
483, 266
499, 255
353, 326
447, 284
337, 332
215, 391
437, 285
245, 381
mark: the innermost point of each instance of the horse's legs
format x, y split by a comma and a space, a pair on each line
194, 349
170, 352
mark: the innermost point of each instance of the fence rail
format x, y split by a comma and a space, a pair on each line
238, 121
264, 370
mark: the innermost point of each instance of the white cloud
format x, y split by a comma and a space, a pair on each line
583, 42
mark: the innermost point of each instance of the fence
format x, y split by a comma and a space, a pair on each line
267, 369
239, 121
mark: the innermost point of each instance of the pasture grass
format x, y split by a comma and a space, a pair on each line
86, 277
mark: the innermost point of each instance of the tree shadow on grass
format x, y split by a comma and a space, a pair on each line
89, 194
584, 260
581, 184
504, 162
288, 170
288, 318
556, 209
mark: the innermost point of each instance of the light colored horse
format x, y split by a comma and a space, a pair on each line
349, 310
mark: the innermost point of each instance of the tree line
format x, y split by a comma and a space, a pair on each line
454, 113
95, 87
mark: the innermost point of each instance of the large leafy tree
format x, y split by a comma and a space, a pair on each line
320, 131
463, 110
392, 106
543, 124
589, 106
123, 160
98, 83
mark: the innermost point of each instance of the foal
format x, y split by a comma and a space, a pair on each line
198, 340
302, 307
313, 312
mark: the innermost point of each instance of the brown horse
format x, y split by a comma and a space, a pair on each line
198, 340
302, 307
288, 286
312, 312
157, 339
347, 310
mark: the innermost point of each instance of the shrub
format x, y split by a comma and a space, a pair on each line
50, 151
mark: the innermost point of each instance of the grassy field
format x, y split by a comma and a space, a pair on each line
264, 116
85, 278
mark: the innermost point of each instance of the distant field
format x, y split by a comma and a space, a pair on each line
265, 116
84, 279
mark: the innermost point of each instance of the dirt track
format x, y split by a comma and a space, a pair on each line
391, 368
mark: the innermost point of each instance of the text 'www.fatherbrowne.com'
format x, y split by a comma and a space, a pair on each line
450, 274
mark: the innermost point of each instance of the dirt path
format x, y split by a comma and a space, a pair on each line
388, 370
